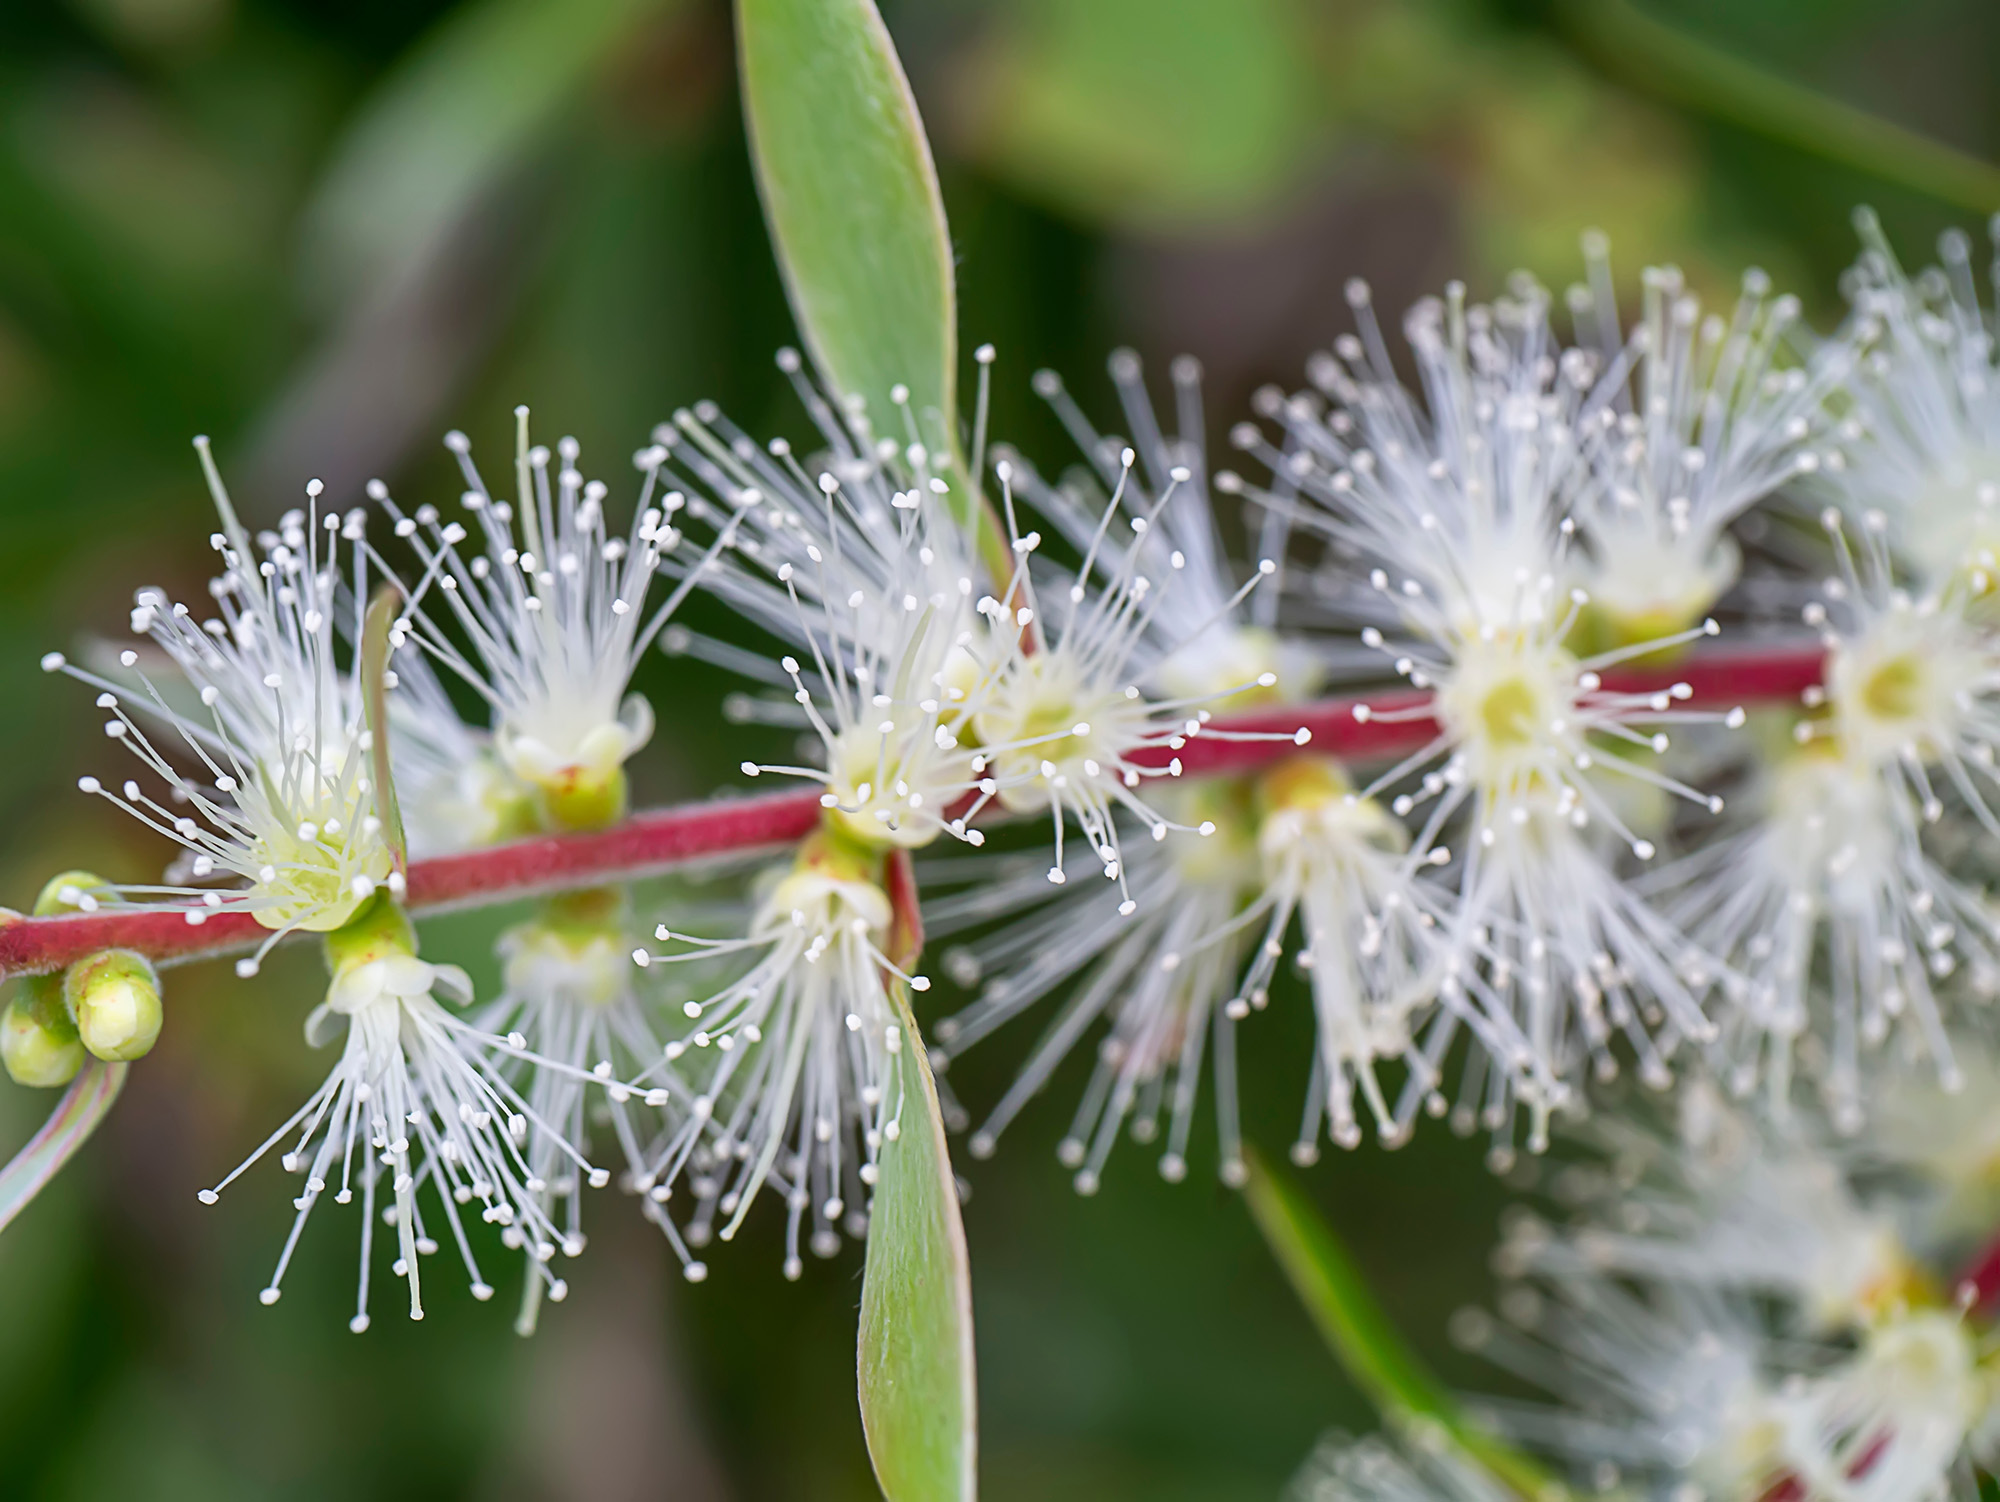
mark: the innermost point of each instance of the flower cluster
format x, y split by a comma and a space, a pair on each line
257, 721
1728, 1310
1502, 868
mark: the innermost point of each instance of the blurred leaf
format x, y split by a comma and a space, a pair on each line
89, 1096
1669, 63
918, 1398
157, 200
1360, 1334
1546, 151
374, 694
1146, 111
466, 105
853, 203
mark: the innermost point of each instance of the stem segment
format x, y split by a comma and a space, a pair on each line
651, 842
1361, 1335
644, 844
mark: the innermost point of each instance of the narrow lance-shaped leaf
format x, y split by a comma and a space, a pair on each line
375, 651
851, 196
1675, 65
84, 1104
852, 199
918, 1396
1361, 1336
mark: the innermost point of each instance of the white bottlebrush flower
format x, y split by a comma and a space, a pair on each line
1646, 443
1837, 920
1211, 923
418, 1097
569, 996
1920, 439
1211, 919
1912, 677
1062, 724
1835, 925
554, 616
455, 792
860, 565
1425, 1467
1466, 505
793, 1064
265, 751
940, 699
1372, 951
1215, 640
552, 607
1462, 493
1164, 977
1691, 420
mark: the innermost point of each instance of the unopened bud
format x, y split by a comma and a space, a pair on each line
38, 1036
73, 892
115, 998
38, 1050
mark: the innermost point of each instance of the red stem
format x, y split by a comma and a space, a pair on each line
643, 844
1721, 680
653, 841
906, 931
1981, 1283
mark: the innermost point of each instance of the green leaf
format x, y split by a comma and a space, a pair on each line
1673, 65
84, 1104
382, 611
474, 97
853, 204
918, 1398
1360, 1334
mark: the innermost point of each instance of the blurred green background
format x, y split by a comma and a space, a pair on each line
324, 231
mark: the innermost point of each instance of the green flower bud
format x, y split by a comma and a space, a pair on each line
72, 892
39, 1051
115, 998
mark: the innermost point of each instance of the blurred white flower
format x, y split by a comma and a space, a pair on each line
1735, 1311
1468, 506
569, 995
1690, 421
1920, 431
1426, 1466
1165, 978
